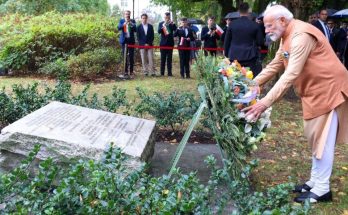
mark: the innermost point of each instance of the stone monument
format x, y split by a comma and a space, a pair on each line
68, 132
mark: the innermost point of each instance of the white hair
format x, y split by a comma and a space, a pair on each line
278, 11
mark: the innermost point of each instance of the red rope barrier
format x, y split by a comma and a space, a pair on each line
264, 51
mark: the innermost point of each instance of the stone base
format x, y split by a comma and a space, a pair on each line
16, 147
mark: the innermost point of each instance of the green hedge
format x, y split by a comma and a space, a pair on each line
28, 43
86, 65
109, 187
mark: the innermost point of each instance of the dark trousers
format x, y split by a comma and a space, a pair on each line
212, 53
184, 56
129, 59
254, 65
166, 56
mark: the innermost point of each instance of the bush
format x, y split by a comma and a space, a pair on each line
92, 63
172, 110
24, 100
38, 7
31, 42
108, 187
55, 68
87, 65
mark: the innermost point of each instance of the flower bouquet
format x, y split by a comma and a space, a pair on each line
228, 88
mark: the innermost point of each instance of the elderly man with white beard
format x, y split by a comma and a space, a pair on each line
321, 81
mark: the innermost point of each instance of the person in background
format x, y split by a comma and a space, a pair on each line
193, 44
127, 37
312, 18
321, 23
228, 21
185, 36
210, 36
266, 43
243, 40
145, 35
334, 31
308, 63
341, 42
166, 29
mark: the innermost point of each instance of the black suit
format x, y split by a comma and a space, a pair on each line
320, 27
340, 42
242, 41
331, 38
223, 35
145, 39
210, 41
166, 40
184, 55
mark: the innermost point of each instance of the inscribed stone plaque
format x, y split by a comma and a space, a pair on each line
72, 131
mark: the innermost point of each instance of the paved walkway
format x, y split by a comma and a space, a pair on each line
192, 159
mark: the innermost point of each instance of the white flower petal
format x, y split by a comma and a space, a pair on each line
247, 128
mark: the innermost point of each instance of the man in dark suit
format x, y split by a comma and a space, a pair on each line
185, 35
243, 39
341, 41
145, 35
334, 33
321, 23
166, 29
128, 28
228, 21
210, 36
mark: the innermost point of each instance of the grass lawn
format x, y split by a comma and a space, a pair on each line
283, 154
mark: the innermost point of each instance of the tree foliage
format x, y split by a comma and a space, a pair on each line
36, 7
219, 8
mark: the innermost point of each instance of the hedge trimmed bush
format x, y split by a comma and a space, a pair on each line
108, 187
31, 42
92, 63
86, 65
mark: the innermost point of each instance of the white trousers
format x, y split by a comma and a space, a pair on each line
322, 168
147, 61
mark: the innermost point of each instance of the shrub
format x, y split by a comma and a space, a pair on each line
31, 42
89, 64
24, 100
116, 100
108, 187
37, 7
55, 68
171, 110
85, 66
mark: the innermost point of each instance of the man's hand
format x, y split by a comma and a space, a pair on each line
253, 112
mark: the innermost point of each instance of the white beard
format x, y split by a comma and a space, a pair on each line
277, 34
274, 37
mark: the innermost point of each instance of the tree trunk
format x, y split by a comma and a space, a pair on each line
226, 7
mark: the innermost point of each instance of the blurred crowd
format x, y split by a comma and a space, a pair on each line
242, 38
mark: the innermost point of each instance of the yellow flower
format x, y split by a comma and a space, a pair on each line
229, 72
249, 74
253, 102
165, 192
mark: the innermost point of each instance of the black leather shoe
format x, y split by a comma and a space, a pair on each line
301, 188
327, 197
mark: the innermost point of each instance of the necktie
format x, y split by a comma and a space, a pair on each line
327, 32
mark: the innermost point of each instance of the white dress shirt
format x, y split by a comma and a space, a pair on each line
145, 27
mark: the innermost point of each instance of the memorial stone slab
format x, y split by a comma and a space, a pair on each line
71, 132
